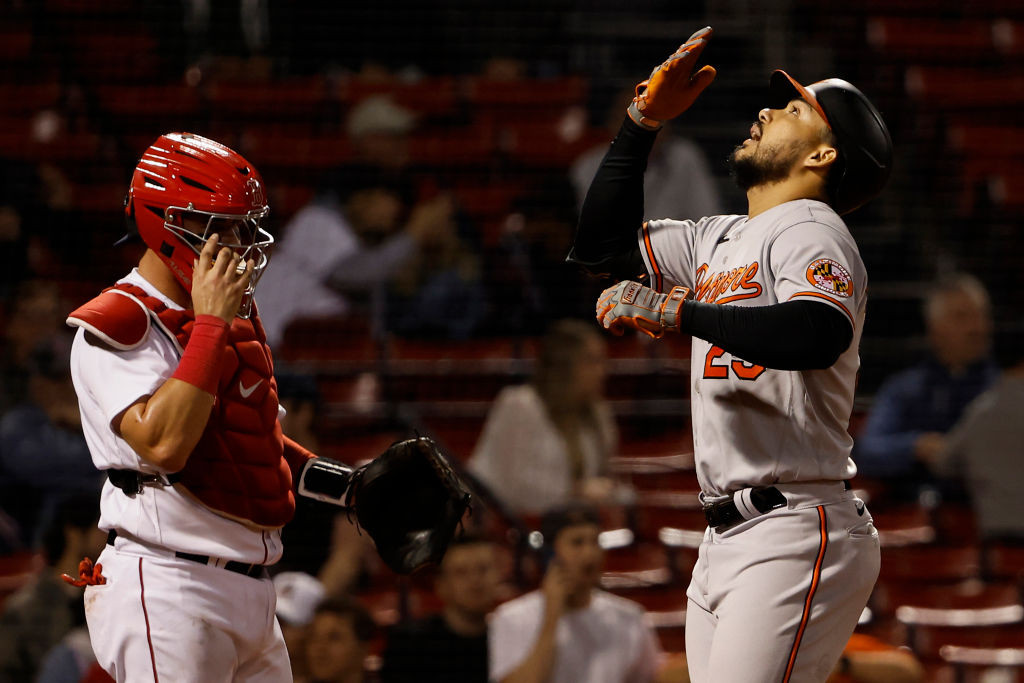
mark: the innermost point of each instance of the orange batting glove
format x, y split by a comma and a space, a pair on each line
630, 304
673, 86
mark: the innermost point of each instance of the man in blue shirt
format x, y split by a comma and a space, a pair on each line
913, 410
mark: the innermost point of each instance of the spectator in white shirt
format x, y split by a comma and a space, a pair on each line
570, 631
547, 442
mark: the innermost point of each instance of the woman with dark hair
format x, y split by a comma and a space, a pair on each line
547, 442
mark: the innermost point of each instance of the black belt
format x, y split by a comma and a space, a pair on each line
725, 515
251, 570
132, 482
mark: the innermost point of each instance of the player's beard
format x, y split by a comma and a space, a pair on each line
765, 165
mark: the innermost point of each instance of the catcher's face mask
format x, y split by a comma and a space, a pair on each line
241, 234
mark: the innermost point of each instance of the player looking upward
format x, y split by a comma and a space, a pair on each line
775, 303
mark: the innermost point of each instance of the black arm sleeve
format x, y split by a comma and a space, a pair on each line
795, 335
613, 210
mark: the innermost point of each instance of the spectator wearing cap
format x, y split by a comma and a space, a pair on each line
379, 130
450, 646
569, 630
298, 596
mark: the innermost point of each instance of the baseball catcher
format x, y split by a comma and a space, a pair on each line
179, 405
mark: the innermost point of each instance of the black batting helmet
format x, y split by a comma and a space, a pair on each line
865, 147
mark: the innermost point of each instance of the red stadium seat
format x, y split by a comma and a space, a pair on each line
554, 93
928, 39
285, 100
28, 98
952, 88
976, 139
928, 633
16, 570
980, 664
427, 97
453, 148
1003, 562
338, 344
929, 563
903, 526
637, 566
889, 595
116, 57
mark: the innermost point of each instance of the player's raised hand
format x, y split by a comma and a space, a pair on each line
631, 305
673, 86
219, 280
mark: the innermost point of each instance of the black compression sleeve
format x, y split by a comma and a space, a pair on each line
796, 335
613, 210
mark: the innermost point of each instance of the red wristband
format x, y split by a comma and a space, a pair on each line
200, 364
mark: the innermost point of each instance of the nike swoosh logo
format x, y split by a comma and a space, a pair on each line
246, 393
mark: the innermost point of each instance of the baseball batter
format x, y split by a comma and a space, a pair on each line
775, 303
179, 406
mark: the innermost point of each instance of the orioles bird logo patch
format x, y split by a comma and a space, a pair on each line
830, 277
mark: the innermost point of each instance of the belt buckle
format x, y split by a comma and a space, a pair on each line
157, 479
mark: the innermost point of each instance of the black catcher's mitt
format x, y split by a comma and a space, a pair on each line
410, 501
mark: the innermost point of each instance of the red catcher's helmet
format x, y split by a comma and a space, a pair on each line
182, 176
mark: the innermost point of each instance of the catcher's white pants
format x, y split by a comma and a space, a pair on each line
775, 598
163, 618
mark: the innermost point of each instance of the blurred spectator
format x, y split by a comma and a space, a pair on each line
43, 454
299, 395
34, 199
568, 630
329, 548
548, 442
912, 411
35, 317
452, 645
529, 263
342, 250
40, 614
298, 596
678, 180
338, 642
379, 130
983, 450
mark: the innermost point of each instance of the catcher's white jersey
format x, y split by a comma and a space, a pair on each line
107, 383
754, 426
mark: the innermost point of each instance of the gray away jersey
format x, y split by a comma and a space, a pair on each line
754, 426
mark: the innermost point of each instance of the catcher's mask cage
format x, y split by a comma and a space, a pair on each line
242, 234
183, 177
863, 140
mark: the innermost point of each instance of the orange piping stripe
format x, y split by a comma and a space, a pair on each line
815, 579
829, 299
650, 256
